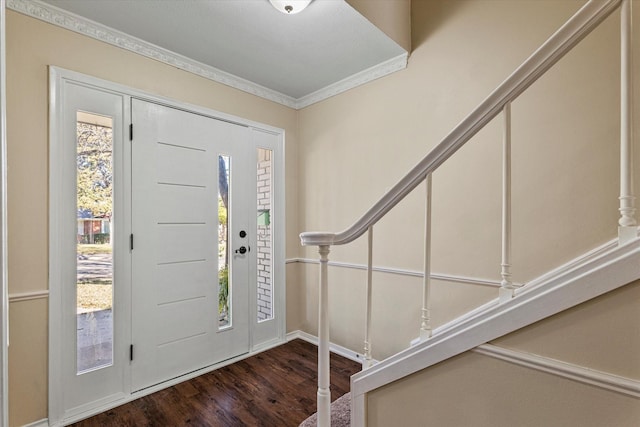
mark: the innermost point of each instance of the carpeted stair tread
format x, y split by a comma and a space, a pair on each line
340, 413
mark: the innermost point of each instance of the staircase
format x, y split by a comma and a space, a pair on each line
602, 270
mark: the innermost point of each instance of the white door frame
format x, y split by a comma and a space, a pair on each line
56, 78
4, 307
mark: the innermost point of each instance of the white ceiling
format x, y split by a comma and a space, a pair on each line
293, 55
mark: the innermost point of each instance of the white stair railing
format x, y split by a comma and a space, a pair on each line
560, 43
425, 323
627, 223
506, 285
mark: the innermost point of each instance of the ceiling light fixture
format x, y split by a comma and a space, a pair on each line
290, 7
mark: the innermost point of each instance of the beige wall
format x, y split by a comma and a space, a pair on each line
393, 17
356, 145
31, 46
476, 390
344, 152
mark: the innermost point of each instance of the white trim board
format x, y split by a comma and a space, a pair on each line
28, 296
57, 77
522, 287
4, 303
403, 272
334, 348
70, 21
604, 380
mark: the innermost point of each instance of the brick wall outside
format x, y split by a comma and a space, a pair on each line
265, 299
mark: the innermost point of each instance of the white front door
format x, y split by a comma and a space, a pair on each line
191, 198
201, 201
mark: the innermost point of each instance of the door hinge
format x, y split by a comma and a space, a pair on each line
131, 352
131, 241
131, 132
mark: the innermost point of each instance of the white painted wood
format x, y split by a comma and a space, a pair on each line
627, 222
58, 78
358, 409
425, 323
28, 296
334, 348
506, 285
369, 291
265, 332
610, 270
604, 380
69, 392
566, 289
4, 299
403, 272
561, 42
324, 393
377, 71
175, 324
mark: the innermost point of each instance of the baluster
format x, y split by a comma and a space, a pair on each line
627, 223
506, 285
324, 393
425, 324
367, 327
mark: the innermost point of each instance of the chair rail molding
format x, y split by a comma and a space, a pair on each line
604, 380
28, 296
403, 272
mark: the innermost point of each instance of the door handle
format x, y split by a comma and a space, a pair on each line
243, 250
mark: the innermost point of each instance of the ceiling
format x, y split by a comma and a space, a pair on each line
292, 59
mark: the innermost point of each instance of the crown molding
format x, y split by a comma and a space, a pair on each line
70, 21
372, 73
78, 24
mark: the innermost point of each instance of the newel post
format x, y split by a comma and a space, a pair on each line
627, 225
324, 392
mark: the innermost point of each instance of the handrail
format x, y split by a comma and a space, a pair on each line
559, 44
499, 101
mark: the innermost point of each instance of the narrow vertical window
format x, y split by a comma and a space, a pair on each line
265, 243
94, 284
224, 278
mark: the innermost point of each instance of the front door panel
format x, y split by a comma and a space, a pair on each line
178, 257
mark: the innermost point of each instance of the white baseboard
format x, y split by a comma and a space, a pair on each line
334, 348
40, 423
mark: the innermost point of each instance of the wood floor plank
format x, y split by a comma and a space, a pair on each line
273, 388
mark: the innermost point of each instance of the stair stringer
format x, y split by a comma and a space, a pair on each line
608, 271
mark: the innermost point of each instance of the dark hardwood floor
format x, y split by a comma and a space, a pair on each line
276, 388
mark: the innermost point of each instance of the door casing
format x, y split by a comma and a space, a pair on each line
261, 335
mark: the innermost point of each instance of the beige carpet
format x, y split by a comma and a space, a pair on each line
340, 413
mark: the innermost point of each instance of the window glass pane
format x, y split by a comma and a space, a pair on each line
94, 284
224, 278
265, 244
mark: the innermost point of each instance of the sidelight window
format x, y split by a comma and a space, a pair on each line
94, 253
